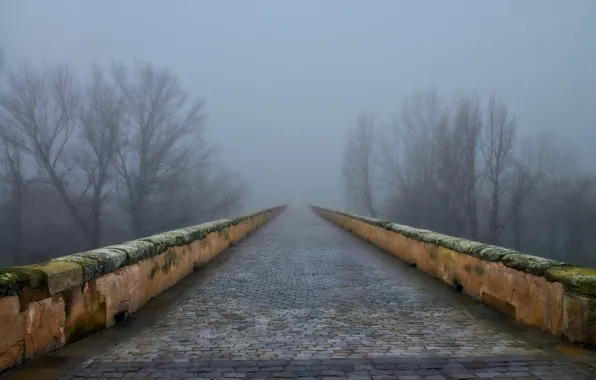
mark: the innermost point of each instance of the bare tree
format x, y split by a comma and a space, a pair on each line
358, 164
560, 169
218, 193
467, 122
496, 144
162, 141
440, 164
101, 118
408, 162
13, 177
578, 214
40, 111
528, 170
213, 192
523, 180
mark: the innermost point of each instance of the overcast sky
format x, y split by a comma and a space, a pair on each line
284, 80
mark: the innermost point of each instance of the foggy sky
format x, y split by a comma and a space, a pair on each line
284, 80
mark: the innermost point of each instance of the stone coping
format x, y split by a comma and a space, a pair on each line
577, 279
55, 275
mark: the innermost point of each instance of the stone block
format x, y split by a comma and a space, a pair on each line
108, 259
529, 264
575, 317
136, 250
12, 332
85, 311
122, 291
576, 279
90, 267
45, 321
12, 280
42, 280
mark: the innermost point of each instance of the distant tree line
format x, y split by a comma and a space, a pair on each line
115, 155
461, 167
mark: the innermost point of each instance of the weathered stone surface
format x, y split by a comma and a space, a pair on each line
61, 275
90, 267
48, 278
575, 313
489, 252
121, 291
108, 259
45, 321
580, 280
168, 268
163, 241
85, 311
12, 332
12, 280
136, 250
530, 264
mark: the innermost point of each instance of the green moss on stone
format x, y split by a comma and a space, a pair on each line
9, 284
434, 238
109, 260
580, 280
12, 280
461, 245
479, 271
488, 252
410, 232
195, 232
136, 250
89, 265
172, 238
170, 259
529, 264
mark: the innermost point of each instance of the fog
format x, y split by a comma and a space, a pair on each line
283, 82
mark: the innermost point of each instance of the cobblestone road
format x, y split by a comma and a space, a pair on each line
302, 298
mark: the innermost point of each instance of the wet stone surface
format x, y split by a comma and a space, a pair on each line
302, 298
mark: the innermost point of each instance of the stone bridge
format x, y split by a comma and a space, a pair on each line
300, 298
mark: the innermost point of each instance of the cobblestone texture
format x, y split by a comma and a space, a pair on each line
301, 298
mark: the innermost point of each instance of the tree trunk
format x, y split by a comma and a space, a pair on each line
494, 215
552, 236
96, 222
137, 215
517, 229
18, 233
70, 205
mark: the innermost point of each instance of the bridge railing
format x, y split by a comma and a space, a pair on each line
48, 305
554, 296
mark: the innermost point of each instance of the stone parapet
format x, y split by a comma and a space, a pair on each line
553, 296
48, 305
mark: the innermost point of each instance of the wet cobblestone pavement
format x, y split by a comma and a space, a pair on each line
302, 298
